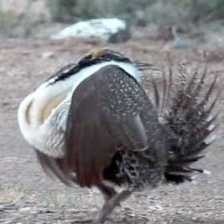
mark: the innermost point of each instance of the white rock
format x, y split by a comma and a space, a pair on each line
96, 28
47, 54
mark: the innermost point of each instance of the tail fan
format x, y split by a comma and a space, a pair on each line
187, 111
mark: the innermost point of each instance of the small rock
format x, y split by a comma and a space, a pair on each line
207, 172
47, 55
194, 218
5, 103
26, 209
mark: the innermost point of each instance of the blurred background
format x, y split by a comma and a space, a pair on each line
192, 21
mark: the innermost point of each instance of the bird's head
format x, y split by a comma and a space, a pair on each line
98, 56
103, 55
96, 59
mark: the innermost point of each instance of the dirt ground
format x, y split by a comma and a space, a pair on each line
28, 196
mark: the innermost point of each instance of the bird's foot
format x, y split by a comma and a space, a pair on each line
110, 205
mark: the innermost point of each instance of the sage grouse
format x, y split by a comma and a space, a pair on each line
93, 124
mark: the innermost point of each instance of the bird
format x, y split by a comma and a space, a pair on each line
92, 124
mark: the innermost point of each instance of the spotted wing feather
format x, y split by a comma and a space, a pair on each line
105, 116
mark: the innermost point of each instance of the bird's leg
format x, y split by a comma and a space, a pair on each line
110, 205
107, 191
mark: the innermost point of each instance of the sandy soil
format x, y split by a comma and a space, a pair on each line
28, 196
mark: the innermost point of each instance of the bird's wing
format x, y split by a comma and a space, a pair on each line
105, 116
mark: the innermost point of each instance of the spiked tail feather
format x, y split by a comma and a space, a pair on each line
188, 113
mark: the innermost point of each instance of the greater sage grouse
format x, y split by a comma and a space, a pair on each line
93, 124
